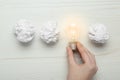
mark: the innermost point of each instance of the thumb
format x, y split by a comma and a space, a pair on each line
70, 56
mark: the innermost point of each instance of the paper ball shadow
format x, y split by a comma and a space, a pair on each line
26, 44
97, 44
49, 44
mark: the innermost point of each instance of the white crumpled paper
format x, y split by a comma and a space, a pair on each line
49, 32
24, 31
98, 33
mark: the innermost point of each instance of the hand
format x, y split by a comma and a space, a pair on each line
84, 71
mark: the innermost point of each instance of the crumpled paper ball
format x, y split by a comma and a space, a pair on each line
24, 31
98, 33
49, 33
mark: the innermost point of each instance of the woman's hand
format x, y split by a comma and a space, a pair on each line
84, 71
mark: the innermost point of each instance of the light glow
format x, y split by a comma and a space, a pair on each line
72, 32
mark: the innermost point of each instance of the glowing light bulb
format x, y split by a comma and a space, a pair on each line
73, 32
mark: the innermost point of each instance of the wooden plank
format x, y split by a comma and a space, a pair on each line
38, 61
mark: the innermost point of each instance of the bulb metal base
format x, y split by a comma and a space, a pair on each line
72, 45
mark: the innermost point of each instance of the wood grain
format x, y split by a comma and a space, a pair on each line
37, 61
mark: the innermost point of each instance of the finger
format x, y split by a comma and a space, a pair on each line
94, 60
70, 56
91, 56
83, 53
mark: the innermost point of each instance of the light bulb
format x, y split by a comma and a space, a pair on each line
73, 32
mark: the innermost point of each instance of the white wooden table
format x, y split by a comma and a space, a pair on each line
37, 61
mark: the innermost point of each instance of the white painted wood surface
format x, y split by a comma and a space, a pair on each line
38, 61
